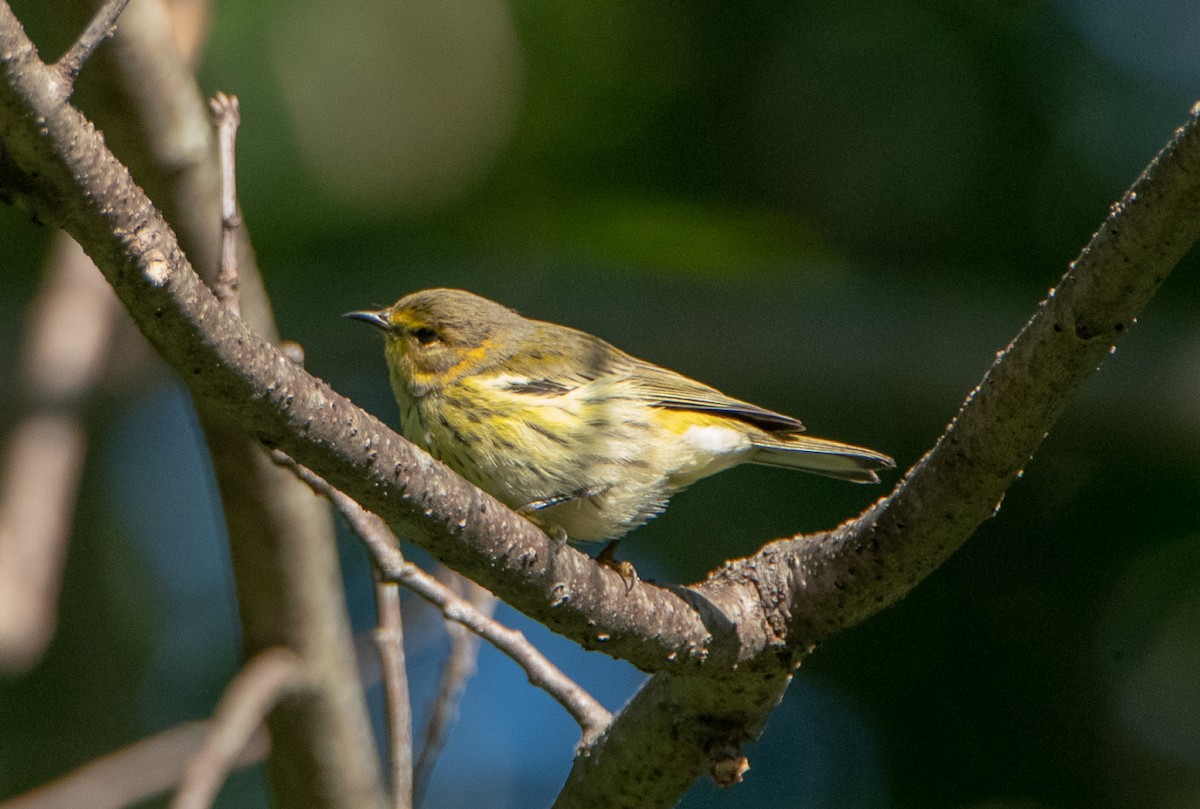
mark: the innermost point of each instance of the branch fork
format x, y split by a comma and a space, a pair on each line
102, 26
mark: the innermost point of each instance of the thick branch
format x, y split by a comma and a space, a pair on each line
675, 728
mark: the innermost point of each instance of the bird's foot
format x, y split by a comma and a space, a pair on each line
624, 569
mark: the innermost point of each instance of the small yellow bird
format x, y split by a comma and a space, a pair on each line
578, 436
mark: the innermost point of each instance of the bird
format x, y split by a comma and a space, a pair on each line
584, 440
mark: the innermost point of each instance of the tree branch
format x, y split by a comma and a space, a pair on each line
459, 666
389, 642
226, 118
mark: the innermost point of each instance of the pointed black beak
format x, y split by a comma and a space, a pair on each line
377, 319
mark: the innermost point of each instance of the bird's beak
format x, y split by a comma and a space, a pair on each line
378, 319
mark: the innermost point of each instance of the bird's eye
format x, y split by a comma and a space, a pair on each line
425, 335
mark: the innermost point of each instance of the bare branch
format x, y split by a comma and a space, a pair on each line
266, 679
389, 632
99, 29
457, 669
590, 714
132, 774
381, 544
226, 117
389, 640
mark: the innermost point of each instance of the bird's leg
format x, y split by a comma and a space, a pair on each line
608, 556
626, 570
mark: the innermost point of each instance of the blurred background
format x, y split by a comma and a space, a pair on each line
836, 210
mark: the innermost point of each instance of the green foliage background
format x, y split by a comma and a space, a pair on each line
837, 210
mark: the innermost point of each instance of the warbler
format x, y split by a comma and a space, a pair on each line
583, 439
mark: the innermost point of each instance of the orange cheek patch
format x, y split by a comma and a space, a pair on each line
472, 357
399, 352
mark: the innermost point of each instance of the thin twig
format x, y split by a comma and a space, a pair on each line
267, 678
99, 29
226, 116
458, 668
389, 640
592, 717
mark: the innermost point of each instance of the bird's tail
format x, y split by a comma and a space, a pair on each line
821, 456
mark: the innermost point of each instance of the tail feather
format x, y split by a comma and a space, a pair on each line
821, 457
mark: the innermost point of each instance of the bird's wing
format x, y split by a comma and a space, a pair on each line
555, 360
676, 392
549, 365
